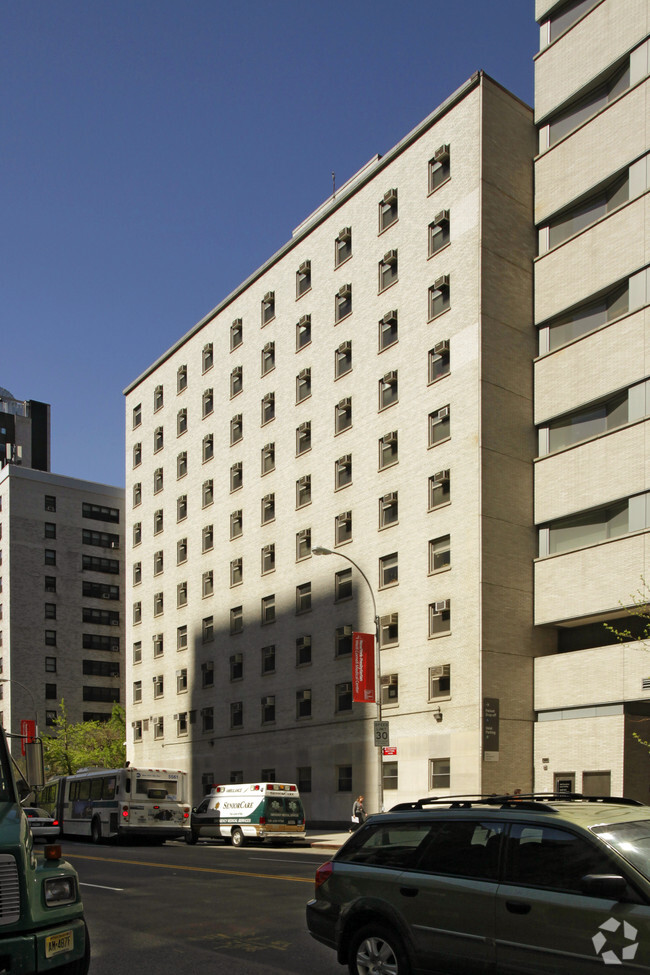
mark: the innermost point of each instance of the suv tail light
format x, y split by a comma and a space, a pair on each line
323, 873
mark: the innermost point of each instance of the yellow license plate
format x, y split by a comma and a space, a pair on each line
56, 943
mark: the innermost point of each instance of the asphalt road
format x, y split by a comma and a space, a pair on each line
186, 910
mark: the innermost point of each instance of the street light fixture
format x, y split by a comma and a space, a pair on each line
11, 680
321, 550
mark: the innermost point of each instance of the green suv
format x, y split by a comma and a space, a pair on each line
538, 885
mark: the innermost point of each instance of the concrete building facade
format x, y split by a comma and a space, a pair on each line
61, 597
24, 432
592, 392
369, 390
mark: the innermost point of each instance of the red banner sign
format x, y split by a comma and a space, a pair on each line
363, 668
28, 733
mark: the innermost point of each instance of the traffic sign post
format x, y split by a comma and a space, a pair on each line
382, 736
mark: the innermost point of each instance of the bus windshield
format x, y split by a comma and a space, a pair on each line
157, 788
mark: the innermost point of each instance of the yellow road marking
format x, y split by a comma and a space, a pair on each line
174, 866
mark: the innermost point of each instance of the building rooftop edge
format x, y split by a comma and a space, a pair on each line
351, 186
47, 477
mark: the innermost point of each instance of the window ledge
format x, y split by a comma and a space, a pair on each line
383, 291
383, 230
439, 315
438, 442
439, 636
440, 250
436, 188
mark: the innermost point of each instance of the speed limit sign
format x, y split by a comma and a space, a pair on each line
381, 733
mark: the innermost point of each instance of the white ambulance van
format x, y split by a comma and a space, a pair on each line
270, 811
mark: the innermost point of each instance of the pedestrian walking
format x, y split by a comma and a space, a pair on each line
359, 814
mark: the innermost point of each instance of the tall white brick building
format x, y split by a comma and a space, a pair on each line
369, 389
592, 391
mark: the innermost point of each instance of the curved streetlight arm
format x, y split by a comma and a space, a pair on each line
11, 680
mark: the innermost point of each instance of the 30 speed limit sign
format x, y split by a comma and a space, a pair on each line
381, 733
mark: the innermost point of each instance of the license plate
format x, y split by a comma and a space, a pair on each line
56, 943
291, 822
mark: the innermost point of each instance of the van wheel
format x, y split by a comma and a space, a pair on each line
96, 830
376, 948
237, 837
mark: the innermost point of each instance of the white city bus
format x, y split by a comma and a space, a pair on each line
143, 803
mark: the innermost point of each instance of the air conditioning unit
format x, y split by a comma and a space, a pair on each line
345, 291
106, 595
390, 377
268, 499
441, 606
268, 347
304, 320
304, 267
237, 323
441, 347
442, 217
390, 498
304, 427
133, 724
115, 544
345, 403
345, 233
304, 374
390, 437
267, 702
115, 622
345, 347
436, 672
443, 413
390, 257
269, 296
390, 196
390, 316
441, 282
176, 717
441, 476
441, 154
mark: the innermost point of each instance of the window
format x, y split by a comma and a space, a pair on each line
588, 528
158, 604
303, 385
343, 585
50, 583
158, 480
439, 297
303, 598
268, 358
586, 317
137, 454
181, 379
181, 637
236, 619
158, 439
388, 330
181, 723
589, 422
439, 489
50, 556
343, 415
303, 438
50, 638
50, 665
137, 415
388, 270
388, 453
388, 570
49, 530
207, 628
439, 426
303, 703
440, 618
158, 562
157, 398
236, 476
566, 17
207, 493
137, 573
268, 508
159, 686
582, 109
49, 503
343, 359
159, 727
303, 279
207, 724
439, 774
389, 690
208, 447
236, 572
137, 532
575, 219
268, 709
343, 472
439, 168
303, 651
207, 583
50, 691
439, 553
438, 232
207, 674
181, 464
388, 510
388, 210
389, 631
181, 681
343, 303
236, 714
268, 307
389, 775
303, 491
439, 682
268, 458
268, 609
268, 558
236, 334
181, 422
207, 539
236, 666
303, 332
268, 660
343, 641
100, 512
268, 408
207, 359
388, 394
439, 361
303, 544
303, 778
343, 697
207, 403
181, 594
236, 429
236, 381
343, 246
236, 523
181, 507
343, 527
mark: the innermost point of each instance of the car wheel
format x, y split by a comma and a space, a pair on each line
376, 950
191, 837
96, 830
237, 837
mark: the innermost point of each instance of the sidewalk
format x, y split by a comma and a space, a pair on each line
326, 840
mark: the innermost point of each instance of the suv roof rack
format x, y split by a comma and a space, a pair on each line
531, 800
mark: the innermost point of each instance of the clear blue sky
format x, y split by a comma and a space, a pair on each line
156, 152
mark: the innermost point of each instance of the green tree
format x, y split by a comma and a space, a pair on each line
86, 743
637, 630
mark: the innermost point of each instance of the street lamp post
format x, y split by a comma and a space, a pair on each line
321, 550
11, 680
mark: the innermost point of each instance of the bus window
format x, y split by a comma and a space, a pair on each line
84, 789
109, 788
96, 789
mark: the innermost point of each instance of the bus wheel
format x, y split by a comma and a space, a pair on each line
237, 837
96, 830
191, 837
